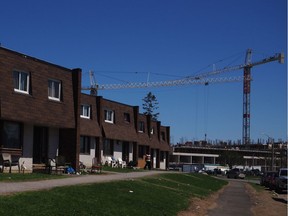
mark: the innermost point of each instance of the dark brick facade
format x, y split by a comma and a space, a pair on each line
35, 108
90, 127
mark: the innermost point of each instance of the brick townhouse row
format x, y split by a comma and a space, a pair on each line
43, 113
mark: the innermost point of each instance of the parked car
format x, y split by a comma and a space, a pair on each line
266, 178
272, 181
281, 180
235, 173
253, 172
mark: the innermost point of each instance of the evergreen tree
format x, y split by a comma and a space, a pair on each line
150, 105
230, 158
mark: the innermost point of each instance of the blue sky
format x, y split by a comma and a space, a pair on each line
135, 41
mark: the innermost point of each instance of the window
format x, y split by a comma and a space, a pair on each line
84, 145
127, 117
54, 90
141, 127
85, 111
109, 116
21, 82
107, 147
152, 131
11, 135
163, 136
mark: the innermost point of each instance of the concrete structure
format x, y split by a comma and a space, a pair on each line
254, 156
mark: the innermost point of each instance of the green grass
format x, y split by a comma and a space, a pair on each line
257, 187
252, 177
164, 194
14, 177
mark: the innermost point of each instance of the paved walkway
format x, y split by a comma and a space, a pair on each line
234, 200
14, 187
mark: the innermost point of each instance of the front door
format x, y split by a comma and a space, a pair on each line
40, 145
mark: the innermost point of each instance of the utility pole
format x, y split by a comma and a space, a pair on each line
272, 151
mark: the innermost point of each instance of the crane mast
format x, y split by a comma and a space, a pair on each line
204, 79
247, 90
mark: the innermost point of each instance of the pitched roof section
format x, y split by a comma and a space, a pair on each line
119, 132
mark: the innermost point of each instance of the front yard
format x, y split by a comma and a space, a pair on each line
164, 194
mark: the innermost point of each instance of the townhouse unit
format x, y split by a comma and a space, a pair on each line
44, 114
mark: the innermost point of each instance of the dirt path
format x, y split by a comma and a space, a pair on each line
265, 203
268, 203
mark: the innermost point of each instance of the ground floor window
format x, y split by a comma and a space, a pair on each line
84, 145
11, 135
162, 155
107, 147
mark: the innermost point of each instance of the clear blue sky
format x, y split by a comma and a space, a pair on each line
166, 40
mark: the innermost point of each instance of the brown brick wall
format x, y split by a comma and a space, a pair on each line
124, 130
90, 127
36, 107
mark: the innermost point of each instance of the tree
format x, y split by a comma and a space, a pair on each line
150, 105
231, 158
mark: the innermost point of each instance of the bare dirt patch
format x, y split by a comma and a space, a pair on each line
266, 203
200, 207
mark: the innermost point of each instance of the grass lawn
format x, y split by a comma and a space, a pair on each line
257, 186
164, 194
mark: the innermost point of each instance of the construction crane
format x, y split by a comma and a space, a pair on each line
247, 90
204, 79
185, 81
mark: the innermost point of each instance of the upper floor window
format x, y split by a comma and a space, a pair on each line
163, 136
152, 131
141, 126
85, 111
21, 82
127, 117
109, 116
54, 90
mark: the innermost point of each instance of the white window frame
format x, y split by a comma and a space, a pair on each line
85, 111
53, 92
20, 84
109, 116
